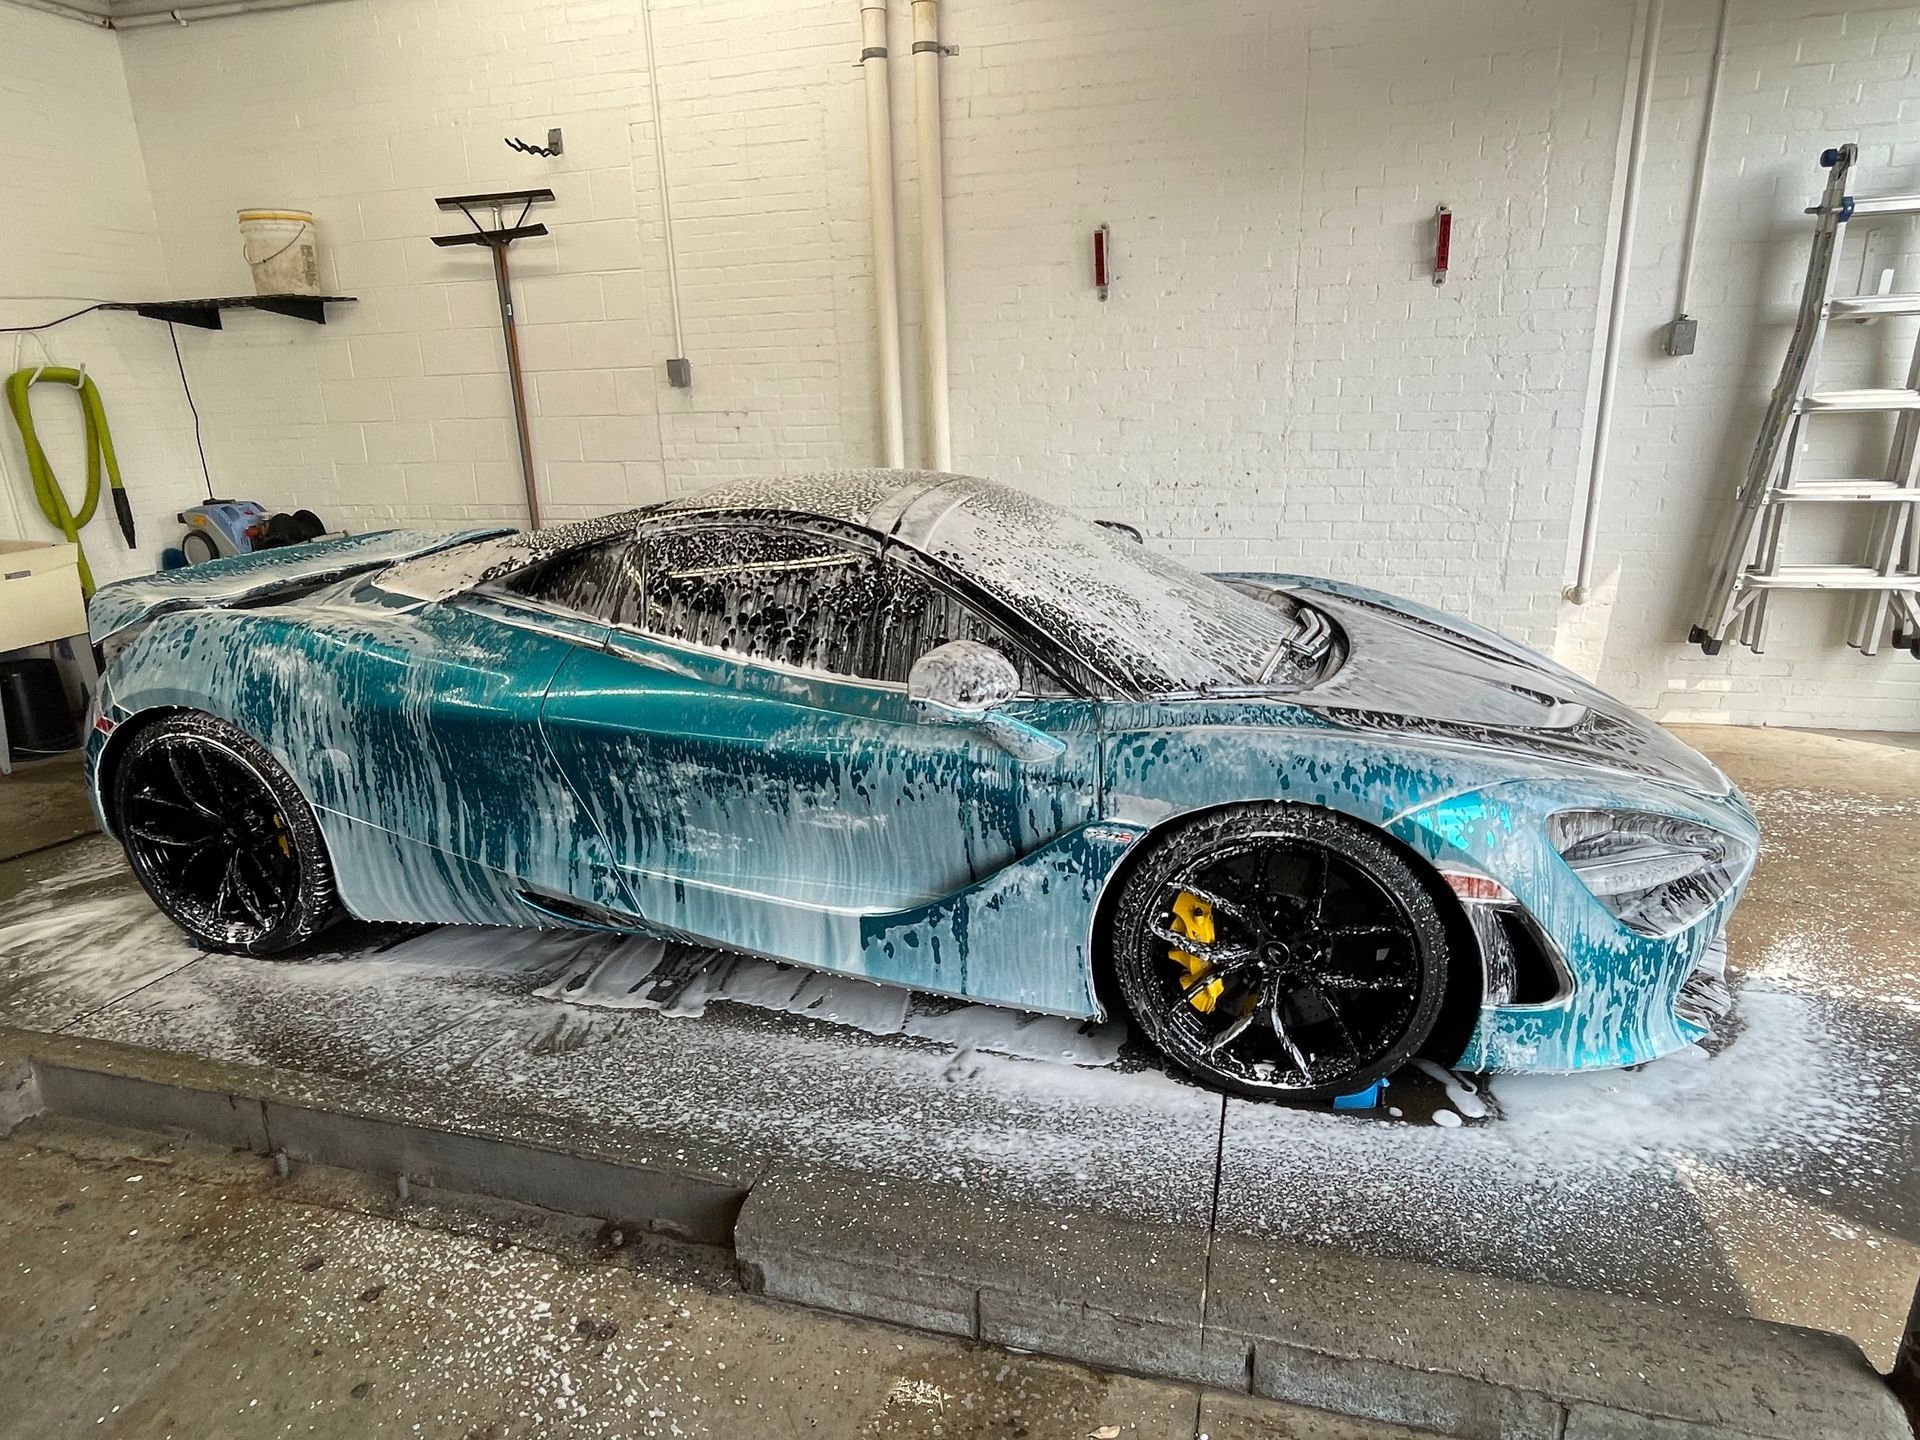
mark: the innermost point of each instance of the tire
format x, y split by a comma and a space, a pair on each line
221, 838
1279, 952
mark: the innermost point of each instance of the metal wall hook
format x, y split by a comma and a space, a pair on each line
554, 146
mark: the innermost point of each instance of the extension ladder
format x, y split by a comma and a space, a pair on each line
1749, 570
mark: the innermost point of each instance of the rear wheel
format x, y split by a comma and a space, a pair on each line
1280, 951
221, 838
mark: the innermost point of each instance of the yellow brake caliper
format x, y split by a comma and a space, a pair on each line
1193, 918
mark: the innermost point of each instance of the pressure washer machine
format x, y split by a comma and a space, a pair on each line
221, 528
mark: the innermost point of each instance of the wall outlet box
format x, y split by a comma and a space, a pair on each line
680, 373
1681, 334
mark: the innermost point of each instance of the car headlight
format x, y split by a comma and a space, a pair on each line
1654, 873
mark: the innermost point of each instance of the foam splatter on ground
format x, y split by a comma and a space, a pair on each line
1700, 1177
74, 942
680, 981
210, 1298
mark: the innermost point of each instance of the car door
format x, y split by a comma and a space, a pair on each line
747, 747
437, 759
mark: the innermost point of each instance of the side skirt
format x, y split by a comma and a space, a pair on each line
1020, 937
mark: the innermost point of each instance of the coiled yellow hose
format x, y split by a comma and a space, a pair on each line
46, 486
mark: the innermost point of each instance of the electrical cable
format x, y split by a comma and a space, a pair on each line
187, 390
49, 324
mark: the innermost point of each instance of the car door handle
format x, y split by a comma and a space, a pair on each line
1027, 743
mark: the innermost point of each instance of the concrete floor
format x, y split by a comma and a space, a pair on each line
158, 1289
1773, 1176
38, 805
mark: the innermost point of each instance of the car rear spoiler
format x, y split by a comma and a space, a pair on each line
248, 579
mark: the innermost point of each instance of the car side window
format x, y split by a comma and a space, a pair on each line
918, 614
593, 580
763, 593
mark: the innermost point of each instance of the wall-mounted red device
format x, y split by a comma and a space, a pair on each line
1100, 262
1442, 243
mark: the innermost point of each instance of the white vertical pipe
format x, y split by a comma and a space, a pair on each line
886, 255
1582, 586
933, 230
660, 175
1697, 198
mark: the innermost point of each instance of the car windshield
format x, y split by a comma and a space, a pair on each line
1147, 621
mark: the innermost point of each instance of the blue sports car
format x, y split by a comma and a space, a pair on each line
936, 733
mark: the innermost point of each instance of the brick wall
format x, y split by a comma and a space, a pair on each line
399, 409
1794, 83
79, 227
1274, 382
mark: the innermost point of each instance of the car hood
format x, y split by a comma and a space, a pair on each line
1412, 671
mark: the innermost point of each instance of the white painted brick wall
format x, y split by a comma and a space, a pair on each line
78, 226
1794, 83
1275, 383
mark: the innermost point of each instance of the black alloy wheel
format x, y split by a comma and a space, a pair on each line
1280, 951
220, 837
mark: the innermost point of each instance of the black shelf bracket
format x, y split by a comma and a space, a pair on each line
298, 307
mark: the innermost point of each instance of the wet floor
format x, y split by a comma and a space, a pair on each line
158, 1289
1771, 1174
41, 805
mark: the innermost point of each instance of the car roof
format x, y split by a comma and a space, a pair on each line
871, 499
1120, 608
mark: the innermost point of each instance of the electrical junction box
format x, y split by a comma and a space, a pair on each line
1681, 334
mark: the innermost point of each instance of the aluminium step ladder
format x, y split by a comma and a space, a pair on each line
1749, 569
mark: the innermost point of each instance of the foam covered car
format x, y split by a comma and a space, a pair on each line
936, 733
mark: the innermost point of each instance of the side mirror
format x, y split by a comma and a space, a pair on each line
963, 676
965, 683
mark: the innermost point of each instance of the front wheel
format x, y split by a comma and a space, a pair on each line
1280, 952
221, 838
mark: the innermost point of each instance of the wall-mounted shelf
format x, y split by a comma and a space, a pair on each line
206, 313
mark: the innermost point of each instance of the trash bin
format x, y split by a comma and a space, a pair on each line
34, 704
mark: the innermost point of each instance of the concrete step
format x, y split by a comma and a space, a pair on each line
1387, 1341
